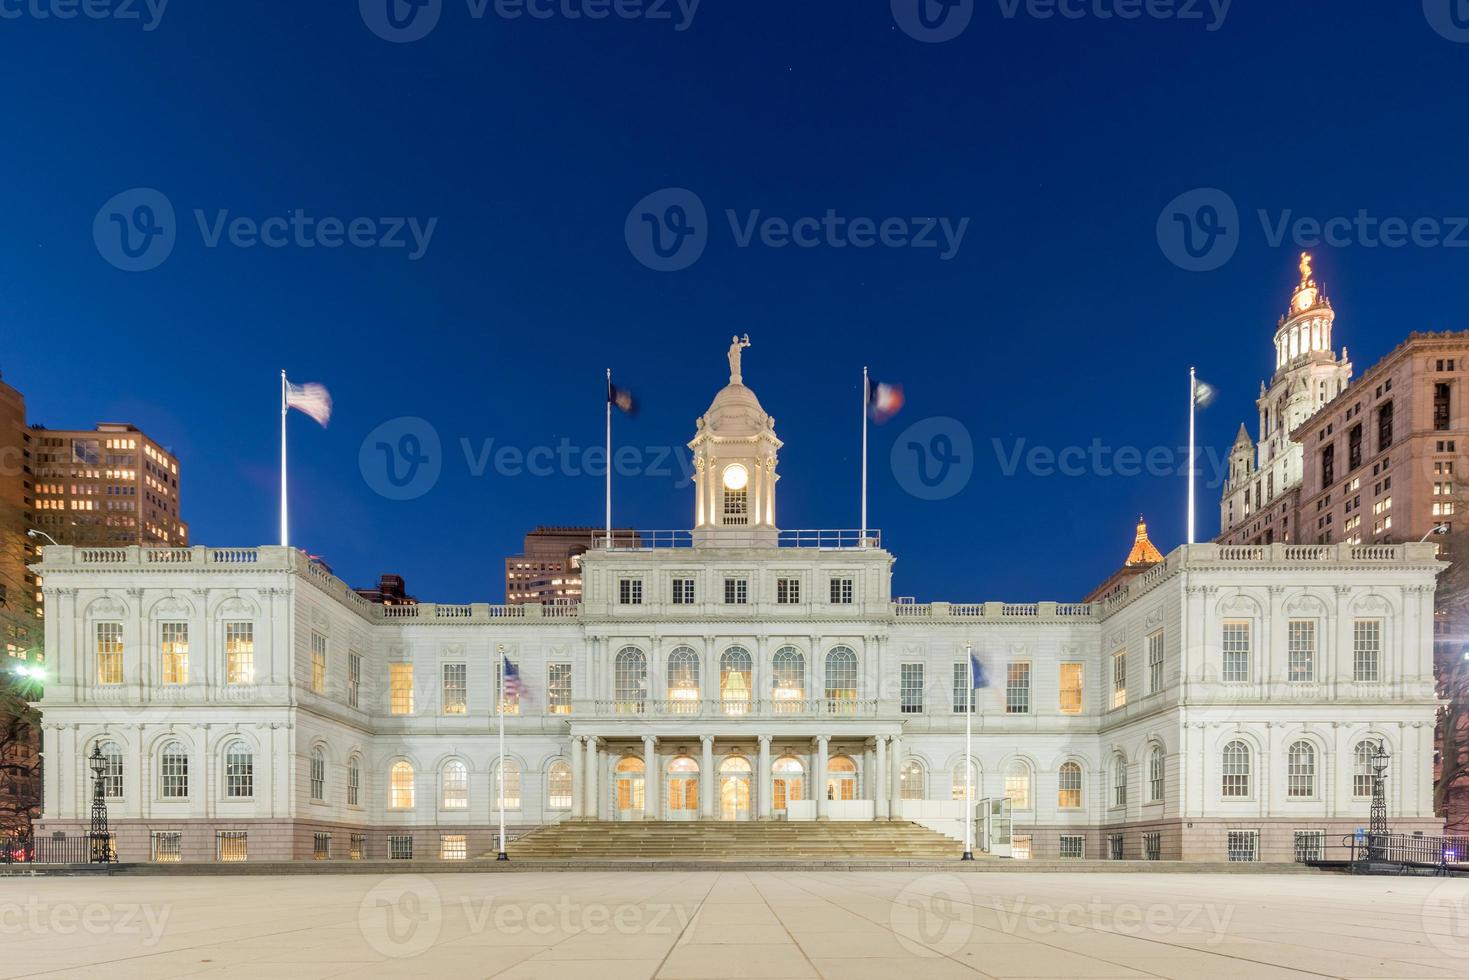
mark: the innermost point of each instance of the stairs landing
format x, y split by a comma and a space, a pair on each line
730, 840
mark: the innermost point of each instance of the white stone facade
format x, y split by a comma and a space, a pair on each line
743, 666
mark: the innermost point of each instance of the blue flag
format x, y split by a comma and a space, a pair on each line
976, 669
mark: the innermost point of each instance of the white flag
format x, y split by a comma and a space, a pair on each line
1203, 394
313, 399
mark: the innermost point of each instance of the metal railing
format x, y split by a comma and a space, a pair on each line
832, 539
1366, 853
736, 708
58, 849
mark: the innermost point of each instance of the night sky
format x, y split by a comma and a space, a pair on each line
1059, 319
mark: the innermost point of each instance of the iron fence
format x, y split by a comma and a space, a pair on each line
58, 849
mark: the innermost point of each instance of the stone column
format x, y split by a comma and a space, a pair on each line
765, 788
868, 787
593, 798
706, 779
652, 785
578, 782
880, 777
823, 811
895, 779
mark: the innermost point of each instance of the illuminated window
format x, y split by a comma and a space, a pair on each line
239, 653
456, 785
1072, 678
841, 679
558, 689
735, 673
683, 680
788, 679
109, 653
456, 688
966, 780
507, 784
239, 771
1119, 678
318, 663
173, 772
400, 781
400, 689
910, 781
1301, 650
174, 652
558, 785
630, 679
1017, 785
1068, 786
453, 847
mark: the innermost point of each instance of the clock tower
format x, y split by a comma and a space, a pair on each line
735, 451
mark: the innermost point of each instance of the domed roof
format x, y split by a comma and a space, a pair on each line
736, 412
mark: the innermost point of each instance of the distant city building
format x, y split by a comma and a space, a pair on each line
390, 591
548, 570
1142, 557
108, 486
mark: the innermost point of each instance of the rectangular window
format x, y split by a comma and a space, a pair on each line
1115, 847
318, 663
736, 507
354, 678
1243, 845
1301, 650
167, 846
1073, 846
558, 689
630, 592
1367, 650
1310, 845
109, 653
239, 653
400, 847
231, 845
1020, 847
1072, 679
736, 591
357, 848
1354, 447
174, 650
1119, 679
1152, 846
1017, 689
963, 691
1155, 662
453, 847
321, 847
400, 688
910, 689
1441, 406
456, 689
787, 591
1236, 652
683, 592
841, 591
354, 784
1328, 467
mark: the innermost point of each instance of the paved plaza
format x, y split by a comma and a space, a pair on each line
633, 925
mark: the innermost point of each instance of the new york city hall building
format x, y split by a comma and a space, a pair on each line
1221, 706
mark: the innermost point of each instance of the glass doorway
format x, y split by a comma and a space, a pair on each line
734, 789
630, 781
787, 774
683, 788
841, 778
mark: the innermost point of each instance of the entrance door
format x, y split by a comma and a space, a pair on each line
841, 778
995, 828
734, 789
630, 784
787, 775
683, 788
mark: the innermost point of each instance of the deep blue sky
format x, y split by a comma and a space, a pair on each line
1059, 321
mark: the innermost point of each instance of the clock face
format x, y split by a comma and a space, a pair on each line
1305, 299
736, 477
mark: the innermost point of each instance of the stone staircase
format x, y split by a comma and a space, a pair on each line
731, 840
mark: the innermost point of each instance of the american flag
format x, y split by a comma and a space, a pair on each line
514, 686
313, 399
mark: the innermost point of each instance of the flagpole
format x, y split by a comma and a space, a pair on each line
500, 710
608, 542
866, 397
969, 759
1192, 403
285, 505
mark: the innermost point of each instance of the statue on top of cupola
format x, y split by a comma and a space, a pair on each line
736, 349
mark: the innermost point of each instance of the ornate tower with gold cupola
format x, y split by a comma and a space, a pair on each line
735, 452
1308, 374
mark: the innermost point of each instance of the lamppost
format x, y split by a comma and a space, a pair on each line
1377, 826
99, 837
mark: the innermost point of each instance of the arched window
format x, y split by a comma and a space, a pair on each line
1300, 771
354, 782
1119, 781
787, 773
1155, 775
683, 680
239, 771
1017, 785
507, 783
173, 772
788, 679
735, 669
318, 775
910, 781
558, 785
1236, 771
966, 775
841, 778
1068, 786
630, 677
456, 785
400, 779
683, 784
111, 769
841, 680
1362, 769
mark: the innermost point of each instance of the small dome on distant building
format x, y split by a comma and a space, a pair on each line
1143, 552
